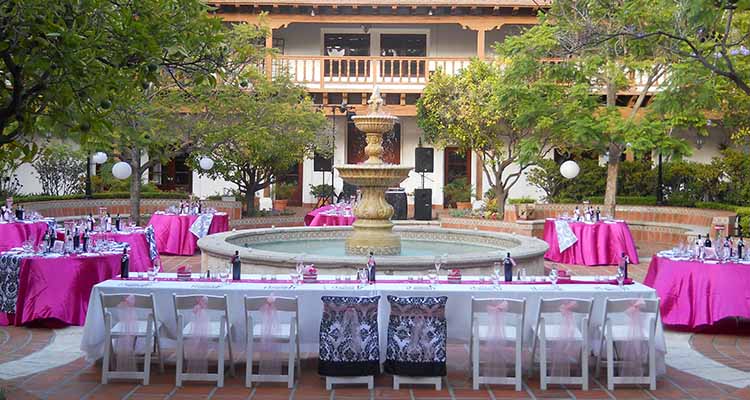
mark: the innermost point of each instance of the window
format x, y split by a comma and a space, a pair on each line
403, 46
346, 45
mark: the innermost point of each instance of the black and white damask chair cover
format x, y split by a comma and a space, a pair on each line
349, 341
417, 332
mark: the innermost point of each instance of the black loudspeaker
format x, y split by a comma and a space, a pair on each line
423, 157
423, 204
397, 199
322, 164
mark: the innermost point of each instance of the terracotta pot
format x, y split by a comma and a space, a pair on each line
280, 205
524, 211
463, 205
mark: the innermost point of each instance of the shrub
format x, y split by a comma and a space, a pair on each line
626, 200
321, 191
459, 190
60, 170
108, 195
591, 181
284, 190
522, 200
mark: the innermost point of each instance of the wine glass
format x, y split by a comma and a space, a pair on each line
363, 277
224, 275
300, 263
157, 266
295, 279
438, 262
497, 266
433, 277
553, 275
620, 278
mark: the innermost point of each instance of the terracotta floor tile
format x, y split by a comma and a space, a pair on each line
390, 394
188, 397
155, 389
508, 393
592, 394
551, 393
482, 393
229, 390
137, 396
230, 397
195, 388
631, 394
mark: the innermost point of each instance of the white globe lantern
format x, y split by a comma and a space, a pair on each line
570, 169
206, 163
122, 170
99, 157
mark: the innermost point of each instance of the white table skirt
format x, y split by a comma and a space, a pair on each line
458, 308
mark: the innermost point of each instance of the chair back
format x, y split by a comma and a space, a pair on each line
417, 332
623, 311
495, 310
556, 311
282, 304
215, 306
349, 340
141, 305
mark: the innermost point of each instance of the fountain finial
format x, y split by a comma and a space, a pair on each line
376, 102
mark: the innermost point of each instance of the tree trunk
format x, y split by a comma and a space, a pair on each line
613, 168
249, 203
500, 196
135, 192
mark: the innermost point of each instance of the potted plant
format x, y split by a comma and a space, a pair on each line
322, 192
283, 191
524, 207
459, 191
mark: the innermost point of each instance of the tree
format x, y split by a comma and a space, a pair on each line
65, 63
584, 31
258, 134
60, 169
512, 112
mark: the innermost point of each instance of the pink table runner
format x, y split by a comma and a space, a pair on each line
55, 291
13, 234
694, 293
173, 234
598, 244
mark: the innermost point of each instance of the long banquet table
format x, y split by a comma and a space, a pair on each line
695, 293
599, 243
458, 310
55, 289
13, 234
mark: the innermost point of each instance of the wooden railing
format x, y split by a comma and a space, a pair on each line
341, 72
396, 73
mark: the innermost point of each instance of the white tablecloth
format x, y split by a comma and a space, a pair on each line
458, 308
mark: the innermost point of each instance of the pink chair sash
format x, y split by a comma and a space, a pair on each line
565, 349
500, 352
269, 363
196, 346
125, 344
634, 349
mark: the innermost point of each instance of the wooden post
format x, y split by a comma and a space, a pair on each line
269, 59
480, 44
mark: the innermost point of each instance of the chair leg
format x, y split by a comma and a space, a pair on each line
585, 363
652, 363
370, 382
610, 364
147, 360
157, 344
519, 365
106, 361
439, 385
291, 366
475, 363
180, 358
396, 384
220, 367
543, 363
329, 385
599, 356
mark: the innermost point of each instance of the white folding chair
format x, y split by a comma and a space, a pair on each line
617, 330
550, 328
219, 330
147, 328
481, 331
287, 333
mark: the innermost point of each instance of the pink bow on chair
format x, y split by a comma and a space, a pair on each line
565, 349
633, 350
498, 351
125, 344
196, 346
268, 363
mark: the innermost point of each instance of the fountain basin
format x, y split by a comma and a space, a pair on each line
275, 250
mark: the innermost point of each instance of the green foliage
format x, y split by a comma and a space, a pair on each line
522, 200
323, 190
626, 200
67, 63
60, 170
107, 195
284, 190
589, 182
459, 190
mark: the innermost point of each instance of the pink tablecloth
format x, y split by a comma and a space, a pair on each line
173, 234
320, 217
55, 291
13, 234
139, 255
694, 293
598, 244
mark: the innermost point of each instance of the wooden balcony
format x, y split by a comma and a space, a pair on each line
331, 74
390, 74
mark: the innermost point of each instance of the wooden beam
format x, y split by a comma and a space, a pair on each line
480, 44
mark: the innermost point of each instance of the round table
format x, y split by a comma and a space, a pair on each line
695, 293
599, 243
172, 232
55, 290
325, 216
13, 234
137, 243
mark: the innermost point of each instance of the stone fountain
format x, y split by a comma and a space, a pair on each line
373, 230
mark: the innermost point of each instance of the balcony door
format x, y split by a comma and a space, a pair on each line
175, 175
403, 47
456, 165
337, 45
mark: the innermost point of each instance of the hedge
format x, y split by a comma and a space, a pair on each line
106, 195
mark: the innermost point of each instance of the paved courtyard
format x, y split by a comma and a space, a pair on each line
46, 364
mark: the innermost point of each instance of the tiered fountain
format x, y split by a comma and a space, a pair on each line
373, 230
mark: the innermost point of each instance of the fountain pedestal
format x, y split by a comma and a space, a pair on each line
373, 230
